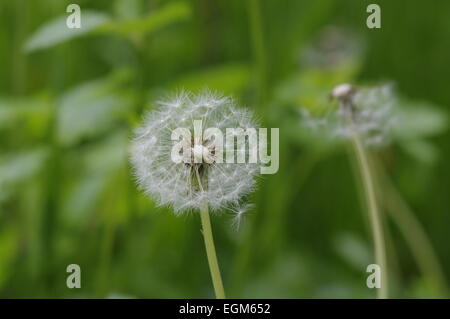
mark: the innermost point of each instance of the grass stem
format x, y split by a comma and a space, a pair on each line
259, 52
413, 232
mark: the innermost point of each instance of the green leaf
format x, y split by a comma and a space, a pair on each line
353, 250
107, 155
170, 13
419, 120
17, 168
414, 123
56, 31
128, 9
100, 162
91, 108
13, 111
422, 151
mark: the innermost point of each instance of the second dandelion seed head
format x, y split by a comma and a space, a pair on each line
367, 111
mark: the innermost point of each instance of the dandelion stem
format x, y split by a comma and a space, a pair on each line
374, 214
209, 245
211, 253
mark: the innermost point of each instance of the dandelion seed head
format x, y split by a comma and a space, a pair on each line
190, 184
371, 110
374, 114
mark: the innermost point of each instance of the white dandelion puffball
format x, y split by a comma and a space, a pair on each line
204, 176
372, 115
370, 112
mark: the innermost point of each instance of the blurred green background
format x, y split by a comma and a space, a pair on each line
69, 101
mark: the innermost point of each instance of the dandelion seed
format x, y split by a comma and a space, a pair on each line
239, 213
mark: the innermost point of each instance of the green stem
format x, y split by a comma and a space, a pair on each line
257, 39
209, 245
111, 222
50, 220
19, 60
374, 214
413, 232
106, 250
211, 253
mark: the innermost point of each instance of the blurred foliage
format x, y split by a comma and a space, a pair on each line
70, 99
56, 31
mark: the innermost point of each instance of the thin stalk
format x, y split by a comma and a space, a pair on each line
19, 61
111, 221
50, 220
106, 250
211, 253
374, 214
412, 230
259, 52
210, 248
